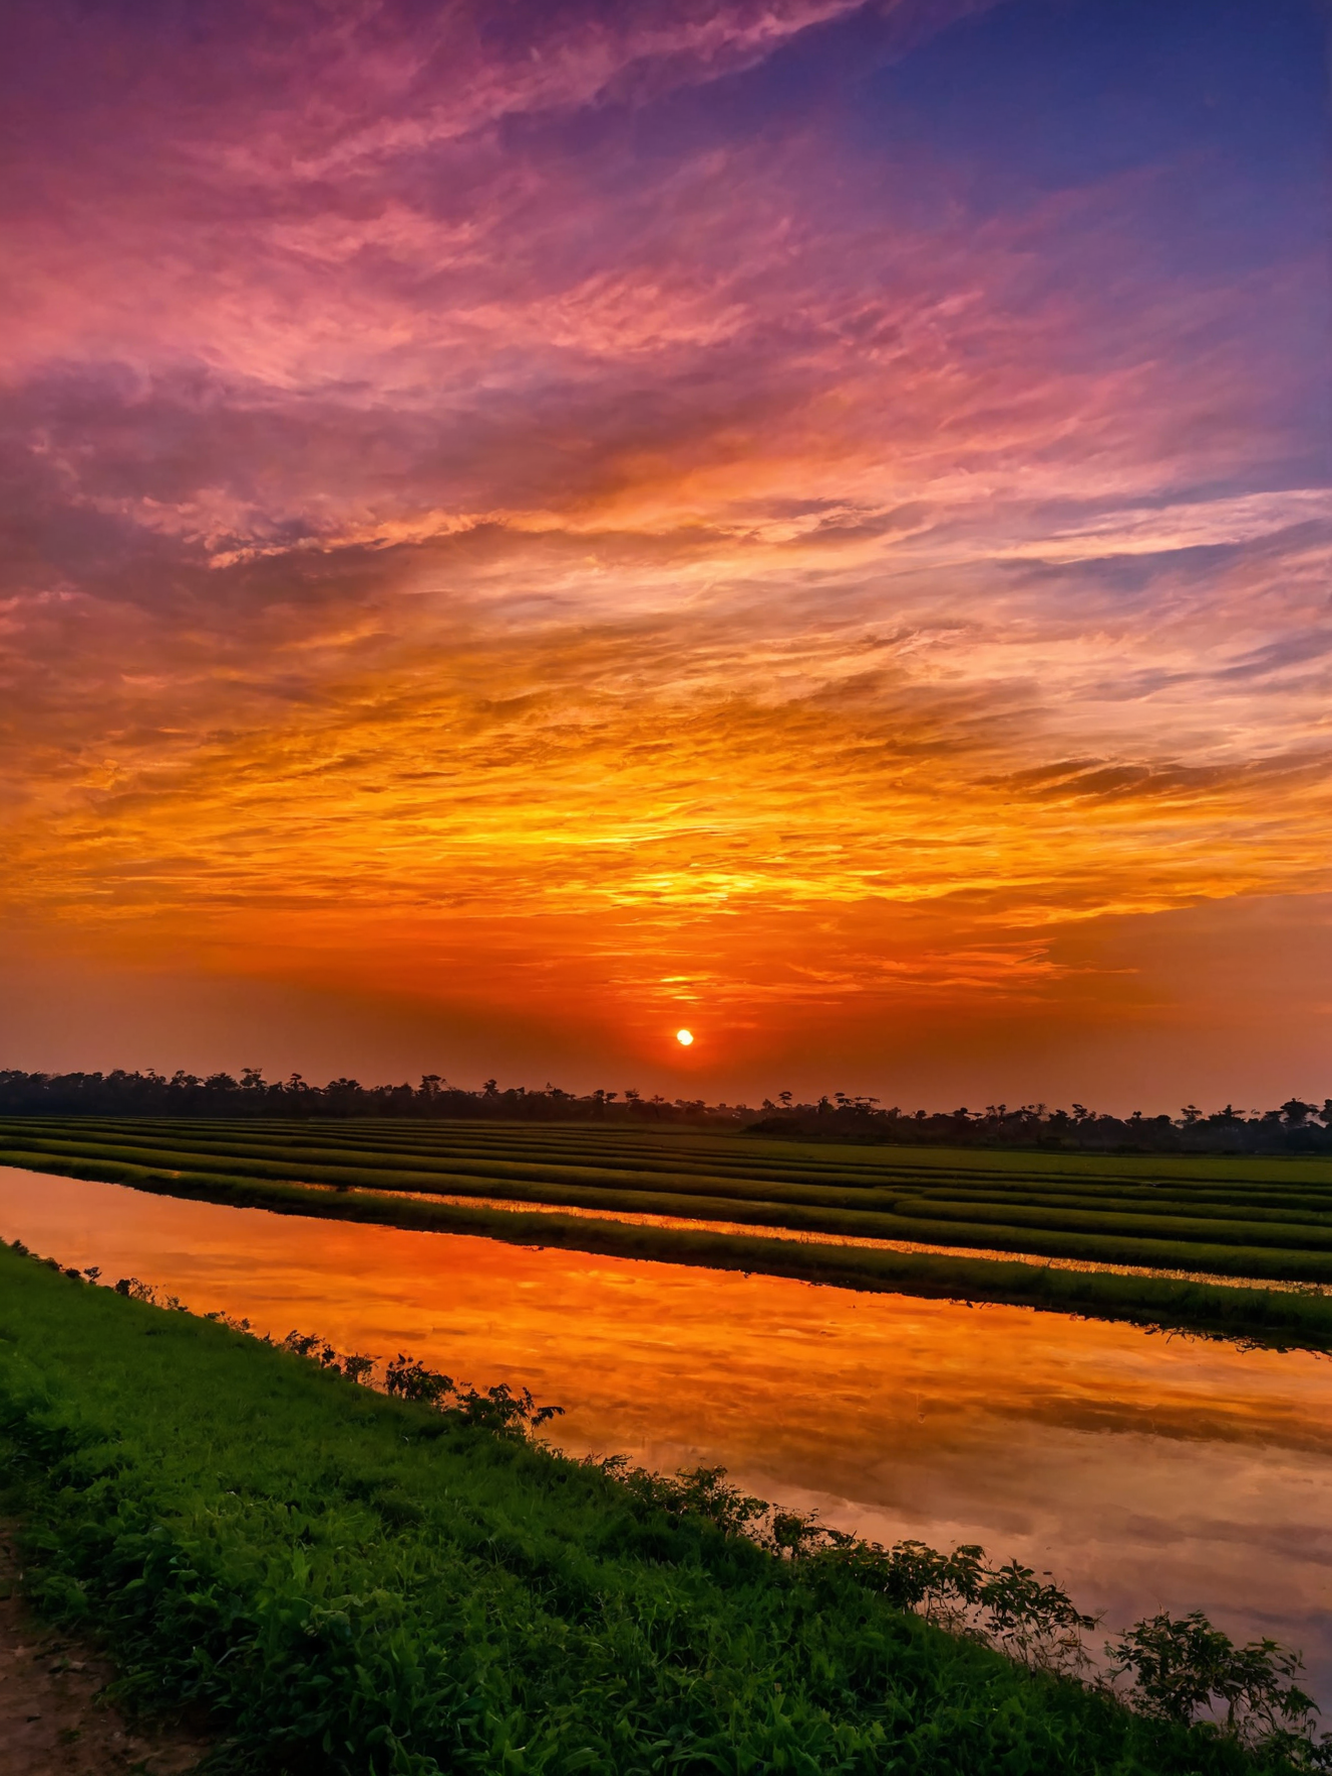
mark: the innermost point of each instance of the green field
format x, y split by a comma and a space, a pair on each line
1252, 1219
354, 1585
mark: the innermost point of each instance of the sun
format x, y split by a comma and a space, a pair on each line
685, 1038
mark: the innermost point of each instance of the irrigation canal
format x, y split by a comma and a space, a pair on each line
1143, 1472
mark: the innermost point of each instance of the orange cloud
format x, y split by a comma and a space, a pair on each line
492, 527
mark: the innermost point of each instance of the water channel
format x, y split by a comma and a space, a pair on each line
1143, 1472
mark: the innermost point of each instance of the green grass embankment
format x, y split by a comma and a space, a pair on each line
354, 1586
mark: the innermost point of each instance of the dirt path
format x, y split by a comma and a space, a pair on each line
53, 1721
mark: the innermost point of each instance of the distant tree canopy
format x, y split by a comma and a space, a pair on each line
1295, 1126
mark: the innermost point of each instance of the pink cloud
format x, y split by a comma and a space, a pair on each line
420, 501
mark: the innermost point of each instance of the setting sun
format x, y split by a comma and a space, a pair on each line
685, 1038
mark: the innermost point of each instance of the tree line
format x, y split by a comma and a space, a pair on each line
1296, 1126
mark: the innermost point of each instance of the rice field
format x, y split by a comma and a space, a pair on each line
869, 1216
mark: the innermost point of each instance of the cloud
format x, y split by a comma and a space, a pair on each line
457, 502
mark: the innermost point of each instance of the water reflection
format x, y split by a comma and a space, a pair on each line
1142, 1471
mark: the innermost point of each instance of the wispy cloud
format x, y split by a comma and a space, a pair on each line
455, 479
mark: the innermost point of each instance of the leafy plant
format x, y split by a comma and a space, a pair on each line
1184, 1670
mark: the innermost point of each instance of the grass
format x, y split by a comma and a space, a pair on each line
1256, 1220
351, 1583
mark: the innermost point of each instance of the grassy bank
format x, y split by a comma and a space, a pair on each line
1099, 1211
352, 1583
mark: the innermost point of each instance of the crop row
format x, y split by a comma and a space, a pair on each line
366, 1196
674, 1150
1009, 1218
1308, 1182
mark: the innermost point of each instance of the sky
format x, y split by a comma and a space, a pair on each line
531, 524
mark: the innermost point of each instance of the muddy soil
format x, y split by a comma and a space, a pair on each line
54, 1719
